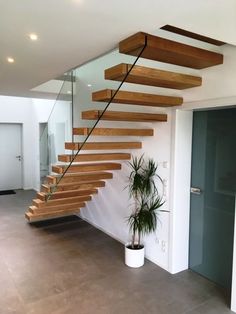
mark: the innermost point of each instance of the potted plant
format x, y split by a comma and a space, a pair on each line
147, 203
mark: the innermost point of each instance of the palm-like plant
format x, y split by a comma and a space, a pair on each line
147, 201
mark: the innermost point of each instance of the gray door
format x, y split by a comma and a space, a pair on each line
11, 156
213, 187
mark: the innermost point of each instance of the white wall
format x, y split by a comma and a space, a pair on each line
30, 112
180, 190
20, 110
27, 112
111, 206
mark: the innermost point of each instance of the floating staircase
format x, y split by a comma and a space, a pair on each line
78, 177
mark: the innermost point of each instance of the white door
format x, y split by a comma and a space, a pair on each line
10, 156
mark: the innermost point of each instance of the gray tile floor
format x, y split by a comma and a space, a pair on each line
72, 268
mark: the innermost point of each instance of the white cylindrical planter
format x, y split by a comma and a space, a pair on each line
134, 257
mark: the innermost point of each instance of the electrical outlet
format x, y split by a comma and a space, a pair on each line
165, 164
163, 246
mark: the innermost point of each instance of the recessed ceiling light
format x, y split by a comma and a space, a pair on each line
69, 92
10, 60
89, 85
33, 36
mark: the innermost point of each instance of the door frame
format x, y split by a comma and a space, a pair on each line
22, 151
181, 161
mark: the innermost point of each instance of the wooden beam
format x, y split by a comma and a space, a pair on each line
169, 51
103, 145
87, 167
136, 98
113, 132
95, 157
152, 77
79, 178
70, 187
124, 116
51, 203
50, 214
70, 193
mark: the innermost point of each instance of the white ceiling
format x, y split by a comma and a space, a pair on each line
72, 32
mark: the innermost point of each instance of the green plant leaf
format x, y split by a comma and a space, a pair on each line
148, 202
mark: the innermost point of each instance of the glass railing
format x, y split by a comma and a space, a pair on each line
93, 98
58, 128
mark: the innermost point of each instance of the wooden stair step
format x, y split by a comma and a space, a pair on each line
153, 77
87, 167
50, 214
73, 206
124, 116
185, 33
65, 194
113, 132
82, 177
64, 187
169, 51
103, 145
62, 201
136, 98
94, 157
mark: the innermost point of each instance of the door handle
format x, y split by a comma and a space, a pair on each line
19, 157
194, 190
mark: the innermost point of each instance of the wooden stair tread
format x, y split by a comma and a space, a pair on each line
185, 33
65, 194
73, 206
81, 177
136, 98
94, 157
124, 116
103, 145
113, 132
169, 51
51, 214
153, 77
87, 167
66, 187
62, 201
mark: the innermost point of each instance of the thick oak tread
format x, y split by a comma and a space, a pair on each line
136, 98
62, 201
94, 157
153, 77
65, 194
71, 187
103, 145
82, 177
123, 116
71, 206
113, 132
87, 167
51, 214
169, 51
